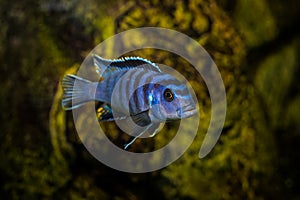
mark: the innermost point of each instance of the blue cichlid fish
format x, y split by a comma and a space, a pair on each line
134, 88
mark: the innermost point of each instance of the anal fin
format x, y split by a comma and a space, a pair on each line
104, 113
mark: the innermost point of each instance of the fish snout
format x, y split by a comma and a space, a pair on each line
186, 111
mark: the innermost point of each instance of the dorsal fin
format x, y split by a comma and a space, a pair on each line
126, 63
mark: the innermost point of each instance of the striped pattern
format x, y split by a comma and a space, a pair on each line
129, 90
129, 86
136, 90
132, 87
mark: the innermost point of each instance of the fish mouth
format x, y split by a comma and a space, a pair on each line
186, 111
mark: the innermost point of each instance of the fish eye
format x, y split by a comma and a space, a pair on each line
168, 95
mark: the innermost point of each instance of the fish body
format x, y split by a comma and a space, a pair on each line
131, 88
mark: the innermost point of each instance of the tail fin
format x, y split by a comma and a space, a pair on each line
75, 95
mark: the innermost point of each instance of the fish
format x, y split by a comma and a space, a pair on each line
133, 89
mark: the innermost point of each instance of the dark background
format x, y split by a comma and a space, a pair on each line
255, 44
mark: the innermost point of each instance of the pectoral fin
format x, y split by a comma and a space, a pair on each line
142, 118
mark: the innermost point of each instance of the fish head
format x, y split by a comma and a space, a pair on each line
175, 101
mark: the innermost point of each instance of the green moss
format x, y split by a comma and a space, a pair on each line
255, 22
